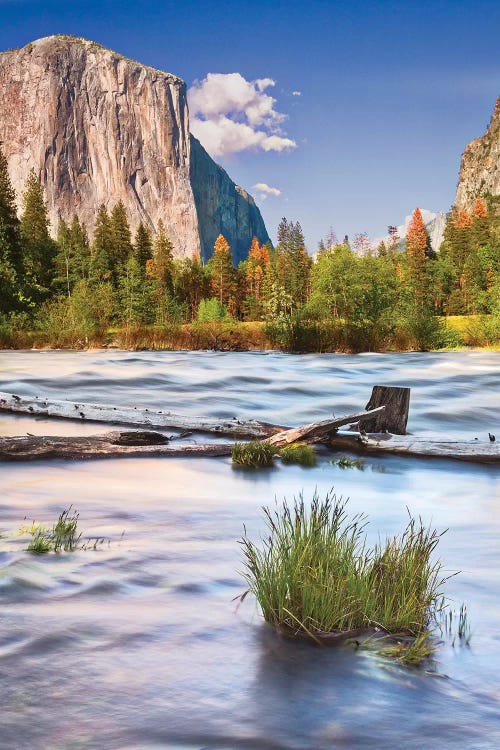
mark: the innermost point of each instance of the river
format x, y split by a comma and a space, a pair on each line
140, 644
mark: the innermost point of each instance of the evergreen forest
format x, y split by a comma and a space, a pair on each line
114, 288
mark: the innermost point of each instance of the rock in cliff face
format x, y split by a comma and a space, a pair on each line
99, 128
222, 207
480, 166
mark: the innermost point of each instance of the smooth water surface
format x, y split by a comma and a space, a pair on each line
140, 643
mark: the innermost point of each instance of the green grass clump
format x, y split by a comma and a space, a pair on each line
316, 574
253, 454
64, 535
344, 462
298, 453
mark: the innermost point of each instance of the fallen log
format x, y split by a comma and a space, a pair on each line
128, 415
142, 443
316, 432
476, 451
109, 445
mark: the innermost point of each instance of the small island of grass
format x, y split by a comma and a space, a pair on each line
315, 577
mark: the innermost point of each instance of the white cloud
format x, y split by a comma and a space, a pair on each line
229, 114
296, 93
263, 187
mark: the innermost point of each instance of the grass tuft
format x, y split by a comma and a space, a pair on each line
64, 535
253, 454
298, 453
315, 574
344, 462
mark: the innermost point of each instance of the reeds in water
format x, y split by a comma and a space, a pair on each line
298, 453
315, 574
253, 454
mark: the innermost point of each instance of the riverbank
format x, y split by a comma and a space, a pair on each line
328, 336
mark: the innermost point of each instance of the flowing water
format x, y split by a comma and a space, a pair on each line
140, 644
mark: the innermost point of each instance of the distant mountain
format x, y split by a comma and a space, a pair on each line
480, 165
98, 128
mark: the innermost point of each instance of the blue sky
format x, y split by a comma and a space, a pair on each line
390, 92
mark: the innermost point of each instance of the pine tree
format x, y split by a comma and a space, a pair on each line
39, 250
416, 246
135, 294
8, 218
121, 242
62, 260
291, 263
162, 267
72, 262
100, 264
221, 269
11, 266
191, 283
143, 245
80, 248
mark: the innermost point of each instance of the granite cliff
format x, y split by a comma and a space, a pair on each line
480, 165
98, 128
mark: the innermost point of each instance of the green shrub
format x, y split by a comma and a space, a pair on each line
210, 310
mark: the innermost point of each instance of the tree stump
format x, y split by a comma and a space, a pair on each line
395, 415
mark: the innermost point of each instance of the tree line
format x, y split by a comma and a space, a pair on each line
393, 294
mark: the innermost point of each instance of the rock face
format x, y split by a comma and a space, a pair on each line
99, 128
480, 166
222, 206
436, 228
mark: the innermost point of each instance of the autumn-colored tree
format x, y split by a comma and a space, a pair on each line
416, 246
463, 219
479, 208
480, 224
258, 260
221, 270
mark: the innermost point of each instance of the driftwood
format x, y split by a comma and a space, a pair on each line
149, 443
317, 432
110, 445
144, 443
476, 451
127, 415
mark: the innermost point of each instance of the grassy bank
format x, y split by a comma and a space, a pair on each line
294, 336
